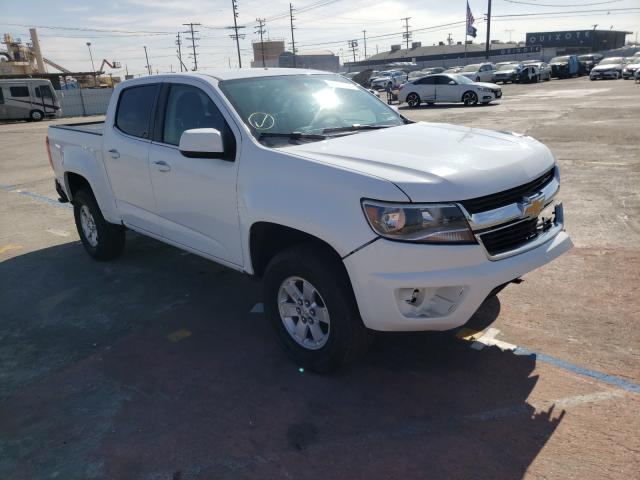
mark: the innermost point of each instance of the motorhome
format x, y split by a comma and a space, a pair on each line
28, 99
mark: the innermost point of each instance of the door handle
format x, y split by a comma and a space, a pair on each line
162, 166
114, 153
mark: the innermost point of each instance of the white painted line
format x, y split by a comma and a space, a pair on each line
577, 400
488, 339
59, 233
257, 308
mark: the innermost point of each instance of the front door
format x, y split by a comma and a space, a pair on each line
196, 197
126, 156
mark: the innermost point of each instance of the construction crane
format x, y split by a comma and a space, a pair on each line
55, 65
113, 64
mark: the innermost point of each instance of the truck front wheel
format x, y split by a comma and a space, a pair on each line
310, 303
101, 239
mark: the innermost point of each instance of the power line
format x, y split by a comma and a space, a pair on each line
561, 6
627, 9
88, 29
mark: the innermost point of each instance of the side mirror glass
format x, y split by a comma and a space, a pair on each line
201, 143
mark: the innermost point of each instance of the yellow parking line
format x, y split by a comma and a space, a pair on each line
10, 246
178, 335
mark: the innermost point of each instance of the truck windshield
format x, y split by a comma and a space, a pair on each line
306, 104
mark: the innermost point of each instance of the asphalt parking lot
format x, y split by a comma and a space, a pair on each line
160, 365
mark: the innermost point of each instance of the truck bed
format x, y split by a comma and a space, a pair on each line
94, 128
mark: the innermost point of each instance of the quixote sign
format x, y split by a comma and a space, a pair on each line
573, 38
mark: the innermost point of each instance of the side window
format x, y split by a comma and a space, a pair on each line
19, 91
43, 91
135, 107
189, 107
426, 81
443, 80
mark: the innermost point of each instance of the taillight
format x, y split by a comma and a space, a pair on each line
49, 152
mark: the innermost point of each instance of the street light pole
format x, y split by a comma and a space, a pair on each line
93, 67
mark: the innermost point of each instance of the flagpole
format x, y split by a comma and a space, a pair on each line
466, 31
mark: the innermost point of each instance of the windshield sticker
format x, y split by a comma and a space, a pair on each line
262, 121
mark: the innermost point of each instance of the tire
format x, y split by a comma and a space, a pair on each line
36, 115
470, 98
413, 100
343, 338
101, 239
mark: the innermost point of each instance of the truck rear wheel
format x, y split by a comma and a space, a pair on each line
101, 239
312, 308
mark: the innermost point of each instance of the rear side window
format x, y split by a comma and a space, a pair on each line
19, 91
426, 81
135, 107
443, 80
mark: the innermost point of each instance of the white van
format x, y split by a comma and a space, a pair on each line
28, 99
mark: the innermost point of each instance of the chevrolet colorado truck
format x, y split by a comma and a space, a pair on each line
355, 218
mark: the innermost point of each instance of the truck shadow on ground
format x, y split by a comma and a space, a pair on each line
447, 106
153, 366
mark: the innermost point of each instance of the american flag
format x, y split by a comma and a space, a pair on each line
471, 30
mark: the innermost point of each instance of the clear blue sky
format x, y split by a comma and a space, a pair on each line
334, 21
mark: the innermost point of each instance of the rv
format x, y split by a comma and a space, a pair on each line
28, 99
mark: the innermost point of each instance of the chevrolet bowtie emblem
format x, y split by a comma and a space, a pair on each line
532, 206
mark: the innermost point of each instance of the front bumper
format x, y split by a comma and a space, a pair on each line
629, 73
411, 287
595, 74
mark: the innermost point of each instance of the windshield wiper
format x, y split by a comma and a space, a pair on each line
293, 135
354, 128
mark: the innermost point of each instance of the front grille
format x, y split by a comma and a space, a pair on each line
511, 237
506, 197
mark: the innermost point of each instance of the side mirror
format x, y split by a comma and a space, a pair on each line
201, 143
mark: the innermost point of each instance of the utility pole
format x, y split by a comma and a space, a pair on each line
407, 34
147, 57
179, 44
93, 67
293, 40
509, 30
449, 40
487, 50
261, 30
193, 42
364, 36
236, 36
353, 45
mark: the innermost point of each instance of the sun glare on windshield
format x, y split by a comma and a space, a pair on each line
326, 98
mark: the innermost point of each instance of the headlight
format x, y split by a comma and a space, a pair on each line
484, 89
420, 223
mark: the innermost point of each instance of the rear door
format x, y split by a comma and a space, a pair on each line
196, 197
426, 88
126, 156
446, 92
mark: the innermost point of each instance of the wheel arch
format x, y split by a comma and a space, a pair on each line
267, 239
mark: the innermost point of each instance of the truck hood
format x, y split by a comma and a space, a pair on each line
433, 162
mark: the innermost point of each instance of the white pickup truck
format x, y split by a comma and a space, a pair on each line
355, 218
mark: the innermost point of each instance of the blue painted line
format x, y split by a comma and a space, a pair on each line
35, 196
603, 377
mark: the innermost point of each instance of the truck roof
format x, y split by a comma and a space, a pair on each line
235, 73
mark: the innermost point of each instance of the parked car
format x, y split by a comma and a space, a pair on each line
417, 74
480, 72
433, 70
589, 61
388, 79
631, 68
507, 72
565, 66
544, 70
30, 99
608, 68
354, 218
453, 70
448, 88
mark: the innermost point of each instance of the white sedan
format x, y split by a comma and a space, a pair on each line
448, 88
